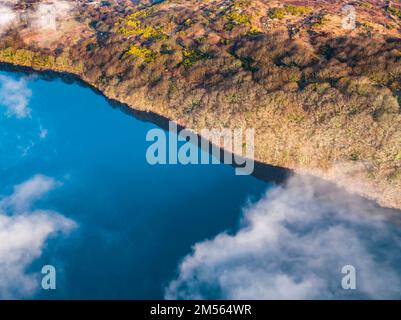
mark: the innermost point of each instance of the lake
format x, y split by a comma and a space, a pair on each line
135, 221
77, 193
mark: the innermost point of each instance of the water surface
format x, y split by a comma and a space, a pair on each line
148, 232
135, 221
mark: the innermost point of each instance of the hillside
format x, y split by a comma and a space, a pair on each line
322, 99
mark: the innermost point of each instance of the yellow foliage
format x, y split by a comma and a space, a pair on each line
146, 54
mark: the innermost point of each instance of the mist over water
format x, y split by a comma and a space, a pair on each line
74, 177
294, 244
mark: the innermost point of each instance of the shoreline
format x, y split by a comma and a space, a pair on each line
262, 171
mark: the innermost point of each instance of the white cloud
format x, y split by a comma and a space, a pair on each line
292, 245
47, 15
15, 95
23, 235
43, 132
25, 194
7, 17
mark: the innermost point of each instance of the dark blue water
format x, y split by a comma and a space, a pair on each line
138, 223
135, 221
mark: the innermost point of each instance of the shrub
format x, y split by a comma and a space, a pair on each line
191, 56
247, 64
276, 13
146, 32
238, 18
394, 11
146, 54
196, 103
297, 10
319, 21
279, 13
229, 26
188, 22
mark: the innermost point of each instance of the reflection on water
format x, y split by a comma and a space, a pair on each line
134, 221
298, 242
76, 192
